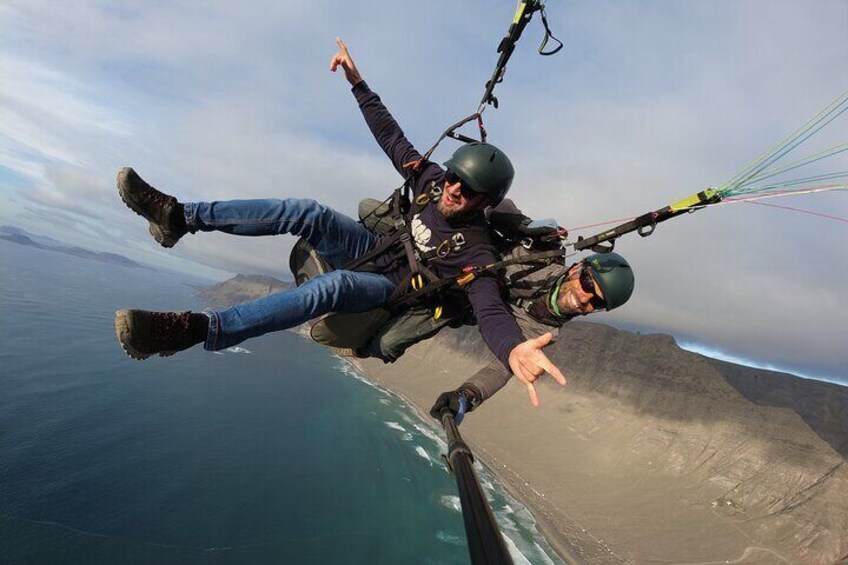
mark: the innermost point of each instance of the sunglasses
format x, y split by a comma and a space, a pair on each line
587, 283
452, 178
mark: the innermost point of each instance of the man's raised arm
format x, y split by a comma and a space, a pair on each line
383, 126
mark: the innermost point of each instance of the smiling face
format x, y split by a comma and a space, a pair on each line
457, 200
575, 298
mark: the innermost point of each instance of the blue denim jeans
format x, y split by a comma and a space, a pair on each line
338, 238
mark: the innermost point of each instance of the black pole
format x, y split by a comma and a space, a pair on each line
485, 542
644, 225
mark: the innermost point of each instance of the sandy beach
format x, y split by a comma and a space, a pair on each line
414, 379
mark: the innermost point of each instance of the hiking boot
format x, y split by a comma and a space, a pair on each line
143, 333
165, 214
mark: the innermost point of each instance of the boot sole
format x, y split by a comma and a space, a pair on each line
154, 228
159, 235
122, 332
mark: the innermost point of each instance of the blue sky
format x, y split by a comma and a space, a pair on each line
648, 102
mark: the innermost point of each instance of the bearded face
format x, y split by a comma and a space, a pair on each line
458, 201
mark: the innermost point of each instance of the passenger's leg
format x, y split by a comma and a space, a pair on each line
403, 331
338, 238
337, 291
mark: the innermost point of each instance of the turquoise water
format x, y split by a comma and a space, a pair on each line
272, 452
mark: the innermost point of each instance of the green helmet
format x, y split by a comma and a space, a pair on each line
484, 168
613, 274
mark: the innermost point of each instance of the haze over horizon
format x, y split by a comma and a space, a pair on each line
647, 103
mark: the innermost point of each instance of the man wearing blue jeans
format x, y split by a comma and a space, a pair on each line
449, 210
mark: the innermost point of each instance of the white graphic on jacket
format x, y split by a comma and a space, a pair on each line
421, 233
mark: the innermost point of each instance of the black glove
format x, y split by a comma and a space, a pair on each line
458, 402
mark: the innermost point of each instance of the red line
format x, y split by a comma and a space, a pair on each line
819, 214
619, 220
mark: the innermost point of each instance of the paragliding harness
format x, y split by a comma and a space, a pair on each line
421, 288
440, 302
389, 219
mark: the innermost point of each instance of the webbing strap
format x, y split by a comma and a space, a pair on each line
548, 35
470, 273
385, 246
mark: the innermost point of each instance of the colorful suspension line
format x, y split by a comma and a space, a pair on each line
751, 179
747, 200
757, 181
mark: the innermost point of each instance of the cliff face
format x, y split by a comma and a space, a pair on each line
652, 453
772, 445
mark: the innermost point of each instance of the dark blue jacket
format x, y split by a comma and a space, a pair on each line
497, 326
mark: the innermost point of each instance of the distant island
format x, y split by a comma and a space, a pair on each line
241, 288
22, 237
651, 453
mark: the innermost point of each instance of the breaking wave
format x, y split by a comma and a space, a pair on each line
445, 537
452, 502
395, 426
423, 453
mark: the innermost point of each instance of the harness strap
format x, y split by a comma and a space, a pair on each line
470, 273
360, 263
515, 280
400, 236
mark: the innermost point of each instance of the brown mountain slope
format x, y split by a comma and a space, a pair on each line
241, 288
654, 454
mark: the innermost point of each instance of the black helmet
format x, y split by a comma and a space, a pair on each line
483, 168
613, 274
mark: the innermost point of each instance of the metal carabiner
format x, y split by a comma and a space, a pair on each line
444, 248
458, 241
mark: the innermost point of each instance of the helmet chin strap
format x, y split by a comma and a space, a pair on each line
554, 300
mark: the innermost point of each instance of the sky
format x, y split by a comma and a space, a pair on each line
647, 103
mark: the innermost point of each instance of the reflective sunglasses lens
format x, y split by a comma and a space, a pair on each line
452, 178
467, 193
587, 283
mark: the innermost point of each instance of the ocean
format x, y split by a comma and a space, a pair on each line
271, 452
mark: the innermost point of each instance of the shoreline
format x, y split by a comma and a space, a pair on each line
542, 511
635, 459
